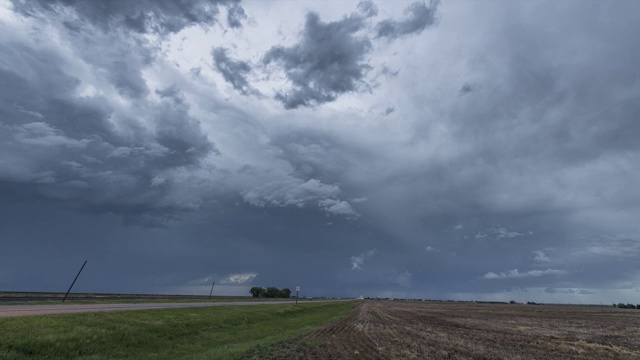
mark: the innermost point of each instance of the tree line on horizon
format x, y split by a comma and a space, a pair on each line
270, 292
627, 306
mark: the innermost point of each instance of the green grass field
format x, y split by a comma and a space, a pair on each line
225, 332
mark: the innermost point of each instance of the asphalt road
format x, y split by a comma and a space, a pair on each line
24, 310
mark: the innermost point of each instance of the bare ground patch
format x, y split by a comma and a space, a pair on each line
430, 330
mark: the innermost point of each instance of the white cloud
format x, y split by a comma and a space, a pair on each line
540, 256
337, 207
296, 192
606, 251
515, 274
205, 280
357, 262
239, 278
505, 233
498, 233
229, 280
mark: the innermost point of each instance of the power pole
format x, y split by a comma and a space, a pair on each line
74, 281
211, 292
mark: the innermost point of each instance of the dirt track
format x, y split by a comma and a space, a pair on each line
418, 330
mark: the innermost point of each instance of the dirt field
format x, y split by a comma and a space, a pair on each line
431, 330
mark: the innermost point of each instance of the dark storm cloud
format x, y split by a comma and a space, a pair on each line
126, 77
92, 24
526, 183
328, 61
235, 15
65, 147
120, 63
233, 71
533, 126
161, 16
389, 110
465, 89
418, 16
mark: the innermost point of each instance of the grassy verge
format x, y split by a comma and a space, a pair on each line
286, 349
192, 333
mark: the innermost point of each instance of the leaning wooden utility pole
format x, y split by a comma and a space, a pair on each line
74, 281
211, 292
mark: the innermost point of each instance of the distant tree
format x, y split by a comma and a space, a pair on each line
627, 306
272, 292
285, 293
257, 291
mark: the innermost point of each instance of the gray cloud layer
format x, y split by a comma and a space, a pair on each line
160, 16
328, 61
84, 149
234, 72
497, 160
418, 16
330, 58
368, 8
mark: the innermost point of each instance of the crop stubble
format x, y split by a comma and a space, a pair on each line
432, 330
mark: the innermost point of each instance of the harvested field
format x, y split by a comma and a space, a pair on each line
432, 330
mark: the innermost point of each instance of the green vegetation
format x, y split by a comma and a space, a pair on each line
270, 292
627, 306
225, 332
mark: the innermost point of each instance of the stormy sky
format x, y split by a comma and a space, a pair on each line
443, 150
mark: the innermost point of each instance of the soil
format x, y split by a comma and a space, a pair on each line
442, 330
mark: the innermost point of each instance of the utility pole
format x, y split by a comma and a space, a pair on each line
211, 292
74, 281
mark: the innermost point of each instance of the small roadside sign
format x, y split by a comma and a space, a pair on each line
297, 291
297, 288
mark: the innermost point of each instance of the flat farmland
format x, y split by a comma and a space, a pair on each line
434, 330
220, 332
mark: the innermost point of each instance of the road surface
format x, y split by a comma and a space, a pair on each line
23, 310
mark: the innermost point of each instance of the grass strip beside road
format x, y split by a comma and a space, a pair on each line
225, 332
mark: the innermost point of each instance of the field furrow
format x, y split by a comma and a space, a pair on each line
433, 330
